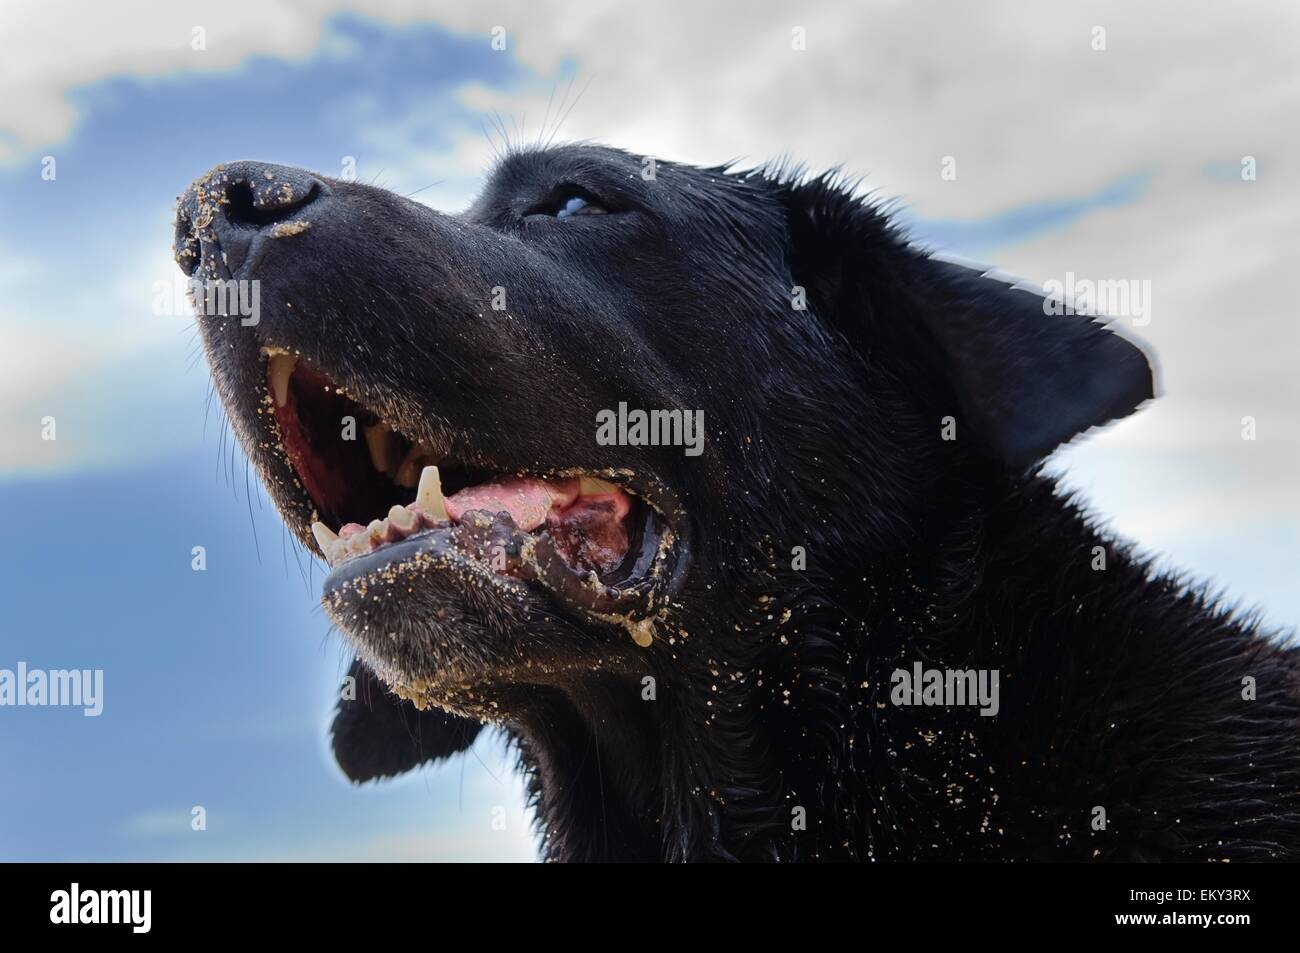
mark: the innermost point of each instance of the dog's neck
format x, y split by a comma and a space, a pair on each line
588, 753
790, 747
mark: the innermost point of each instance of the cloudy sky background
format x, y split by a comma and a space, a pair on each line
1115, 164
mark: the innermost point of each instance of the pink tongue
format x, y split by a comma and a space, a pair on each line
528, 501
587, 531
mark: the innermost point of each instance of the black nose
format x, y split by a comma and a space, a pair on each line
225, 209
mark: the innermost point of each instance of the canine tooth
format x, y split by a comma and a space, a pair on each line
325, 536
281, 370
328, 542
429, 496
402, 518
379, 441
590, 486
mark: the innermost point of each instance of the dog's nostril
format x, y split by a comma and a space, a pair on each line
247, 205
222, 215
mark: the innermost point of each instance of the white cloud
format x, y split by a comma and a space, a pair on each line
1012, 89
50, 52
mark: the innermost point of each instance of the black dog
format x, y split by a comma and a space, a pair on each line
852, 622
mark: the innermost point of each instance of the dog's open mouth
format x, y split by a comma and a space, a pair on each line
384, 500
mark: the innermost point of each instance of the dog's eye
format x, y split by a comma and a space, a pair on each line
568, 203
577, 205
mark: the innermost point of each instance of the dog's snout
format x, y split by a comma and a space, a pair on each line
227, 208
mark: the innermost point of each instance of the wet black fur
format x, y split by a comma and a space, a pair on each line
1119, 689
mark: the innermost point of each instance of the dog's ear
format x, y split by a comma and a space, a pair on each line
1018, 376
378, 735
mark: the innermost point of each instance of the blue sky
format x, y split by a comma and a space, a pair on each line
218, 684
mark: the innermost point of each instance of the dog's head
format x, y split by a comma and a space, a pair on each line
618, 420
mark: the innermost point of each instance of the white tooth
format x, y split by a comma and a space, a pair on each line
402, 518
590, 486
429, 496
379, 441
376, 530
358, 544
325, 537
281, 370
